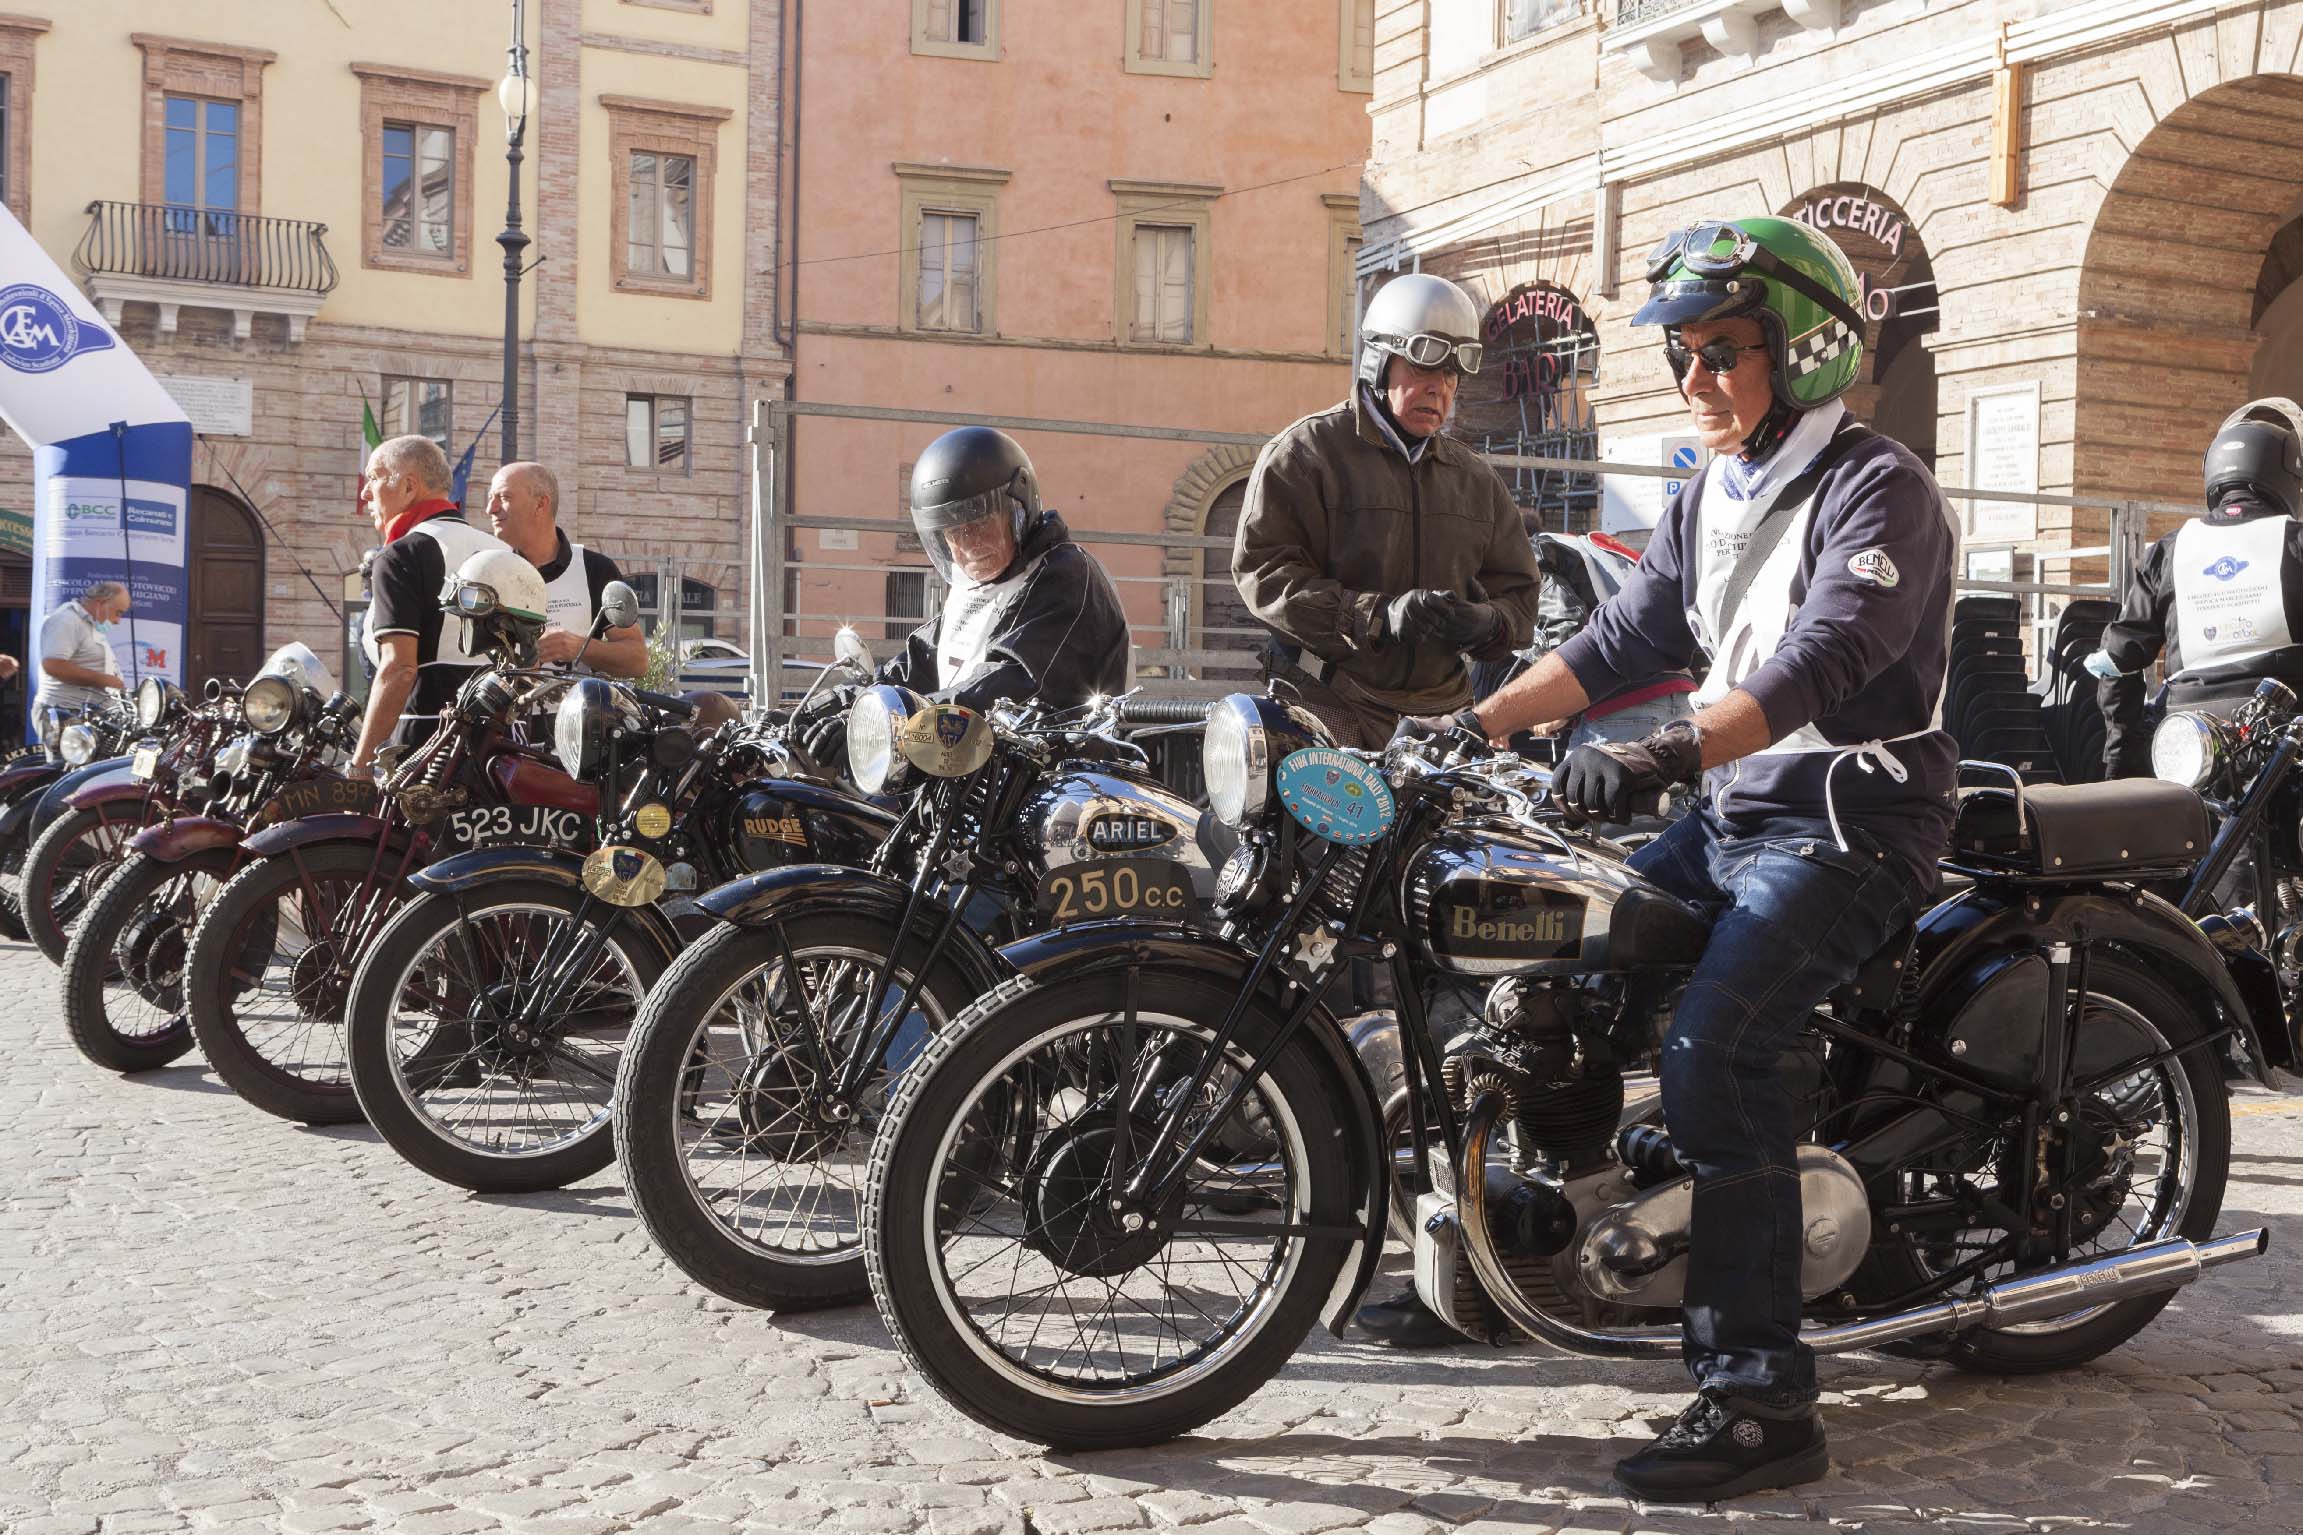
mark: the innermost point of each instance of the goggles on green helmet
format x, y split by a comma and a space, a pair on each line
1426, 350
1720, 251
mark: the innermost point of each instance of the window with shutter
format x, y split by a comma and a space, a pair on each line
948, 267
1163, 312
956, 29
1168, 37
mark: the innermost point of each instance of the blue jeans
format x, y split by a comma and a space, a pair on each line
1795, 918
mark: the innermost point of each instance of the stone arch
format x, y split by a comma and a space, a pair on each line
2170, 289
1196, 493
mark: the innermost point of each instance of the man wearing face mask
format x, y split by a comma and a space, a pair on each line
1814, 560
1381, 550
1028, 615
77, 664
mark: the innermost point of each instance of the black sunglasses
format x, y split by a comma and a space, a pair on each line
1721, 357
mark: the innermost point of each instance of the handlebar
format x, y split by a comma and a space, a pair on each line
669, 703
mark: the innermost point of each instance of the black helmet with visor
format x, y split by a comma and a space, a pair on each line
966, 477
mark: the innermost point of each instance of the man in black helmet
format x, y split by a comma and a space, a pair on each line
1381, 550
2223, 595
1029, 614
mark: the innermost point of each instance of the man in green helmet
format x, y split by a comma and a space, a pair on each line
1813, 562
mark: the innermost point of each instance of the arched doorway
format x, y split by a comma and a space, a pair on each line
224, 559
1896, 392
1224, 622
2187, 287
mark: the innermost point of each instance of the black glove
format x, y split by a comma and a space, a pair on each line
821, 729
1412, 618
1467, 625
1613, 781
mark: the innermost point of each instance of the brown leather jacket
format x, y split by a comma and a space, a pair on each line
1338, 522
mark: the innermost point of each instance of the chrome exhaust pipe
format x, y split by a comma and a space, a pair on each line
2037, 1297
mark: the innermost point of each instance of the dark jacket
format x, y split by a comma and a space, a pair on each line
2147, 625
1062, 638
1338, 522
1862, 657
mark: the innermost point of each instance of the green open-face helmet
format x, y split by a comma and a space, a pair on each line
1790, 278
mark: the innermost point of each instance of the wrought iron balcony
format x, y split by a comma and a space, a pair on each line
176, 257
1631, 13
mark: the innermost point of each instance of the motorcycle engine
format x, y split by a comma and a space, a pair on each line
1548, 1046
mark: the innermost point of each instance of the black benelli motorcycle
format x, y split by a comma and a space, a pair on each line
1110, 1201
760, 1064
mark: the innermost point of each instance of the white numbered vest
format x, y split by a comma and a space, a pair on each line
458, 541
568, 598
2230, 591
971, 618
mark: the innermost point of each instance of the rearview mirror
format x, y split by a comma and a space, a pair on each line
851, 650
619, 605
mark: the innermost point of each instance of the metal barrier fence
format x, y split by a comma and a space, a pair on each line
1176, 656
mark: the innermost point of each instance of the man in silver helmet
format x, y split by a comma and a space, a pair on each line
1028, 615
1379, 549
2222, 594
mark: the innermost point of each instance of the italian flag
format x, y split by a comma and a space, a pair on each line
370, 440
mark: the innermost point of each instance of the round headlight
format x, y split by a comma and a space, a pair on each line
76, 744
580, 727
874, 719
269, 704
151, 702
1235, 760
2186, 749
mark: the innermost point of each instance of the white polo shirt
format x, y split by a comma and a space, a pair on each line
69, 634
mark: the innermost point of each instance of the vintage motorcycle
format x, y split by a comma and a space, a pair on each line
272, 960
760, 1062
80, 827
485, 1021
1109, 1202
123, 981
95, 735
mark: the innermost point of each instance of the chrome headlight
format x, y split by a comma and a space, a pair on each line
580, 728
76, 744
874, 719
269, 704
1245, 739
2187, 748
155, 701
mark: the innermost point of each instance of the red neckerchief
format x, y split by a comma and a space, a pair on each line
422, 511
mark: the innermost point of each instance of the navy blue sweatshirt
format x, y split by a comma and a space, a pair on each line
1853, 615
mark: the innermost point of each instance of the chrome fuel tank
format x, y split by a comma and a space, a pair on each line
1090, 814
1491, 899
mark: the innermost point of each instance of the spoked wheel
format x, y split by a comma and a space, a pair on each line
270, 970
2146, 1159
740, 1161
1015, 1277
124, 969
12, 854
485, 1030
63, 870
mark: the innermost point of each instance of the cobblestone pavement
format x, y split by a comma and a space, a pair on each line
213, 1320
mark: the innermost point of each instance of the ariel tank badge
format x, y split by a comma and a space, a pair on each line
946, 740
1334, 795
623, 876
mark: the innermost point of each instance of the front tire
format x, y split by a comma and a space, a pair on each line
463, 1060
270, 969
123, 985
731, 1166
65, 867
994, 1261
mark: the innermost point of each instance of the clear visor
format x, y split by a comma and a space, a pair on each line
971, 540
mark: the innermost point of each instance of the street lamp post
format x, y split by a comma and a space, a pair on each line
516, 93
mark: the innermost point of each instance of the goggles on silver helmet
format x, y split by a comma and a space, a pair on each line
1427, 350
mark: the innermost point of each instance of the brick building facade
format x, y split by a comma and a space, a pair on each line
371, 143
2079, 221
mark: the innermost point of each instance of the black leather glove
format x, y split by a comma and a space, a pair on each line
1613, 781
1413, 618
821, 729
1467, 625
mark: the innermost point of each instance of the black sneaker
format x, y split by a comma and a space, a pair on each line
1405, 1321
1726, 1445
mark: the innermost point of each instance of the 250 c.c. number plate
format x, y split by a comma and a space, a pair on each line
518, 826
1156, 888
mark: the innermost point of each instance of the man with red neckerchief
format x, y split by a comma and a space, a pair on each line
415, 653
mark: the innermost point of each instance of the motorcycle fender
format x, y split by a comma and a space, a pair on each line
107, 789
176, 840
52, 802
756, 900
1088, 947
467, 871
1957, 937
27, 776
16, 819
335, 826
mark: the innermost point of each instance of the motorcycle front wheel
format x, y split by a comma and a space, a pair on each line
123, 985
999, 1262
484, 1030
64, 868
270, 968
738, 1162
